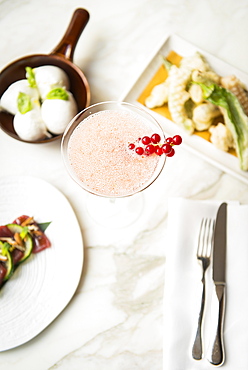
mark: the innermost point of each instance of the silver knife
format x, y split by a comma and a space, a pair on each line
219, 278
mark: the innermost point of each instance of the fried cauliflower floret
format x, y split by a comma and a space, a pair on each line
206, 76
158, 96
221, 137
195, 61
204, 114
196, 94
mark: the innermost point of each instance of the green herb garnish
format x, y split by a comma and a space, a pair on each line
24, 103
30, 77
58, 93
44, 226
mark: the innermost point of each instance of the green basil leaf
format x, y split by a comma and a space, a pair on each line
43, 226
58, 93
30, 77
24, 104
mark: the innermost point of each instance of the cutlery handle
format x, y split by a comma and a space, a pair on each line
197, 346
218, 355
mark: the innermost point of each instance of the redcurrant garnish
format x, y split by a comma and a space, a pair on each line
172, 152
166, 148
169, 140
155, 138
139, 150
149, 149
158, 150
177, 140
149, 145
146, 140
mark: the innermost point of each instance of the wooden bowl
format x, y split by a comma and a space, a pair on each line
61, 56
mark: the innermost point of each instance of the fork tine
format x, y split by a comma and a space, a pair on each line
205, 237
201, 238
210, 233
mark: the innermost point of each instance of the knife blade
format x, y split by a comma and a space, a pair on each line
219, 277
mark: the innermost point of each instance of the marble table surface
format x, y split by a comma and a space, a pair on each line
115, 319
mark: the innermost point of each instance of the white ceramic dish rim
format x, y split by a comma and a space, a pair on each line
42, 287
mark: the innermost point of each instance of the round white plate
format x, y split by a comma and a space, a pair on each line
43, 285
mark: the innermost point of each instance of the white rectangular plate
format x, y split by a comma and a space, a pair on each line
224, 161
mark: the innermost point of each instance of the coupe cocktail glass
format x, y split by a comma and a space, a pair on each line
96, 153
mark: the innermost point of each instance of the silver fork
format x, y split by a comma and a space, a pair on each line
205, 242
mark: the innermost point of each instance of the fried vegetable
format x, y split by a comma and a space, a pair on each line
195, 61
235, 118
178, 95
158, 96
205, 76
180, 90
204, 114
233, 84
221, 137
196, 94
179, 78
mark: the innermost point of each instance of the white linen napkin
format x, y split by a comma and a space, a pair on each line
183, 287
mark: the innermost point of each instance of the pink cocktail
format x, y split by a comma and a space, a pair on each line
95, 148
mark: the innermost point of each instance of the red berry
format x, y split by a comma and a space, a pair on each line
155, 138
159, 150
146, 140
172, 152
131, 146
149, 149
177, 140
166, 148
139, 150
169, 140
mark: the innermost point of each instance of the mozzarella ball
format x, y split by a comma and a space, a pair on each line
49, 77
57, 113
30, 126
9, 97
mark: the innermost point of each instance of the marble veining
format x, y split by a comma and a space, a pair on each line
115, 319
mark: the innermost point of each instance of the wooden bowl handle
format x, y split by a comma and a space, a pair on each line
67, 45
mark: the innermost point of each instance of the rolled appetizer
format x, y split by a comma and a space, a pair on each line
28, 122
10, 96
58, 110
49, 77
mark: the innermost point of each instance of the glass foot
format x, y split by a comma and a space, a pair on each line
115, 212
